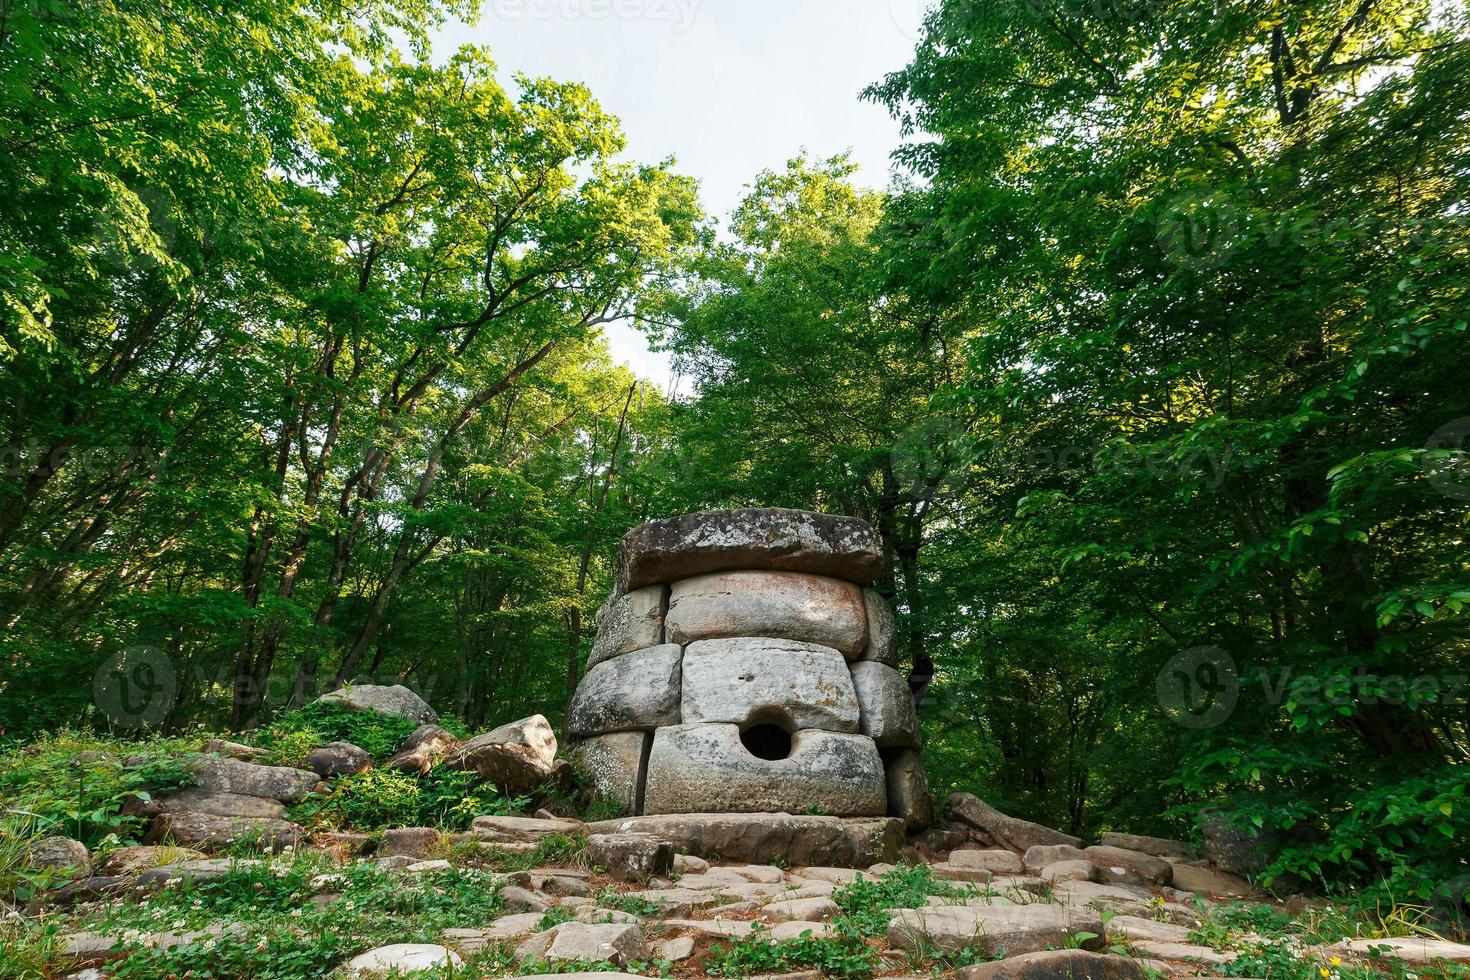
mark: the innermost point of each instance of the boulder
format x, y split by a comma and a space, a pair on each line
907, 787
998, 861
636, 691
630, 857
423, 750
61, 855
803, 685
395, 700
1040, 856
614, 765
126, 861
1233, 849
1057, 964
882, 646
779, 605
1205, 881
218, 775
1069, 871
1129, 899
761, 838
402, 958
210, 832
515, 830
419, 843
1005, 929
580, 942
772, 539
233, 750
517, 757
220, 804
91, 889
800, 910
338, 759
1415, 949
707, 769
1151, 869
887, 706
186, 871
628, 622
1171, 850
1017, 834
515, 926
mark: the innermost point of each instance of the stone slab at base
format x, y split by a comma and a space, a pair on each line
760, 838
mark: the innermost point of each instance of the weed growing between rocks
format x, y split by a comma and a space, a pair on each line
837, 956
445, 798
867, 902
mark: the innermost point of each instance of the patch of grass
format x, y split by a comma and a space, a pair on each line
866, 902
297, 732
609, 898
839, 956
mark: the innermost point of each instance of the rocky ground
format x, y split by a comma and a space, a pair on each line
519, 896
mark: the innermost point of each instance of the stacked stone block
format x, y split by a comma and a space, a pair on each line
745, 664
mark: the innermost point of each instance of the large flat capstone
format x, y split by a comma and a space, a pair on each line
783, 605
760, 838
757, 538
638, 690
707, 769
739, 680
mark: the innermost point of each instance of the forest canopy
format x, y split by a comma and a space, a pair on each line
1148, 369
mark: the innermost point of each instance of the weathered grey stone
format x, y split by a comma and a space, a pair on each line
88, 889
636, 691
771, 538
999, 861
1039, 856
614, 764
506, 927
755, 679
59, 854
512, 830
233, 750
780, 605
247, 779
580, 942
800, 910
220, 804
402, 958
418, 843
630, 857
210, 832
628, 622
887, 706
705, 768
423, 750
763, 837
1008, 929
517, 757
1069, 871
1057, 964
1123, 898
127, 861
1017, 834
338, 759
395, 700
959, 872
882, 644
1171, 850
1208, 882
907, 788
1151, 869
1415, 949
190, 871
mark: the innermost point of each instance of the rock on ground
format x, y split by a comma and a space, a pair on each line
517, 757
210, 832
218, 775
423, 750
738, 680
132, 860
1057, 964
512, 830
581, 942
706, 769
999, 861
1147, 867
395, 700
1012, 929
761, 838
403, 958
60, 854
338, 759
780, 605
198, 800
1157, 846
1018, 835
630, 857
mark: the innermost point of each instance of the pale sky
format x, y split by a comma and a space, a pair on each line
728, 87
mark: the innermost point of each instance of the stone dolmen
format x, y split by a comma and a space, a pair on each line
744, 664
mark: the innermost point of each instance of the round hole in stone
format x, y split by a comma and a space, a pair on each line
765, 740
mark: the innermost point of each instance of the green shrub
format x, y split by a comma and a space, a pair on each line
445, 798
840, 956
297, 732
865, 902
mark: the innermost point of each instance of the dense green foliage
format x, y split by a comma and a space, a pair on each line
1149, 372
